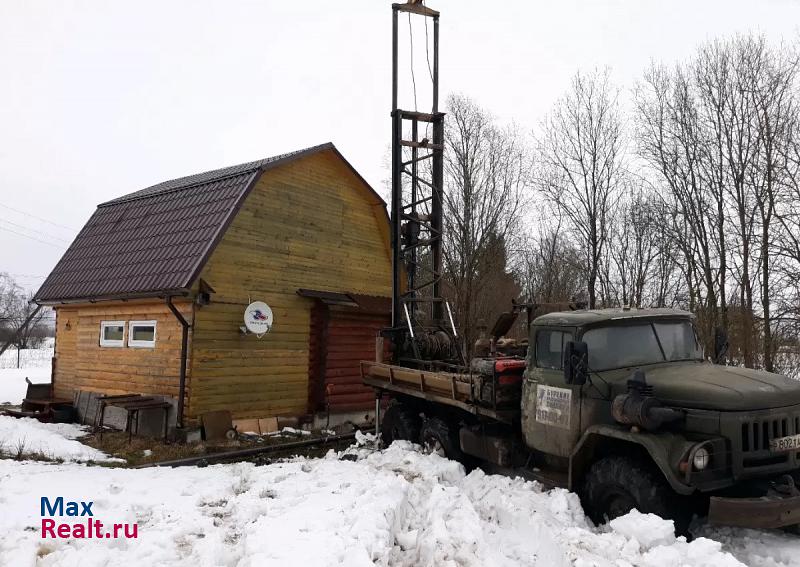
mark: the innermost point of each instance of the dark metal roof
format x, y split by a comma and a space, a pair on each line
590, 316
155, 241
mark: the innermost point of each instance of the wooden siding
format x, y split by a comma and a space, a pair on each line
308, 224
82, 364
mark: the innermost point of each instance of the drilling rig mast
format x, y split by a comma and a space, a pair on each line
423, 332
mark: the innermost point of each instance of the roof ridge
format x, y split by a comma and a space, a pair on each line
219, 174
166, 191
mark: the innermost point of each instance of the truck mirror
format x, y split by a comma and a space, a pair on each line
576, 365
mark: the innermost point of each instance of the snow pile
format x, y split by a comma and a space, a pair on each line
396, 507
52, 440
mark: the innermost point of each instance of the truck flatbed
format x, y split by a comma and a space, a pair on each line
448, 388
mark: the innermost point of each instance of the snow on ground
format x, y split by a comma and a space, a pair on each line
52, 440
761, 548
35, 364
396, 507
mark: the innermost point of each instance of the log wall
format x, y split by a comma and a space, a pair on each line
82, 364
310, 224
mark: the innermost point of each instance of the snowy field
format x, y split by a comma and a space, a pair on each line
396, 507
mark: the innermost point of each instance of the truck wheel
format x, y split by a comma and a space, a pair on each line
399, 423
616, 485
439, 437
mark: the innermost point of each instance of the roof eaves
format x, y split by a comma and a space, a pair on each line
115, 297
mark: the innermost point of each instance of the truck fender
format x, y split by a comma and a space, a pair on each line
665, 449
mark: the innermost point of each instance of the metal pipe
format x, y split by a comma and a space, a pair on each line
397, 201
395, 10
413, 223
247, 452
408, 320
450, 314
184, 348
377, 414
435, 65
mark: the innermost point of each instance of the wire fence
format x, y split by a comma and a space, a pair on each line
28, 357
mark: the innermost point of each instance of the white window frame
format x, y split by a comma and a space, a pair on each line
115, 343
142, 344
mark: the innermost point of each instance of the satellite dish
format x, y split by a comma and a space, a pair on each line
258, 318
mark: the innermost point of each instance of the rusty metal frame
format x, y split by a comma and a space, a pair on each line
423, 188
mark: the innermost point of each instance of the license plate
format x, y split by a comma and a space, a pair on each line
783, 444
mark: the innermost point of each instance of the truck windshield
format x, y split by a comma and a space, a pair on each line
621, 346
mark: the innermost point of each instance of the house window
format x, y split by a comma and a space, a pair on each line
142, 334
112, 333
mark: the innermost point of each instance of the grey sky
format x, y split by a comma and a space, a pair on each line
103, 98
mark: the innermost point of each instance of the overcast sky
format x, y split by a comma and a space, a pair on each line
99, 99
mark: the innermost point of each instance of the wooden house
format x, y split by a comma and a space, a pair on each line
151, 295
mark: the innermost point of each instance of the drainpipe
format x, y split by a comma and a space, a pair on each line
184, 347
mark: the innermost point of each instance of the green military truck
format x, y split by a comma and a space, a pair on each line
620, 406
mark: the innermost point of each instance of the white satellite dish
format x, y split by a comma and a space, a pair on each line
258, 318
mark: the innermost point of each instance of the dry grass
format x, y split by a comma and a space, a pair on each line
115, 443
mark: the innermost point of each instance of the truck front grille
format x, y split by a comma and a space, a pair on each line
749, 434
757, 434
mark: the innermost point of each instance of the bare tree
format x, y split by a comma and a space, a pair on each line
485, 185
638, 267
581, 164
550, 267
671, 139
771, 82
21, 322
719, 131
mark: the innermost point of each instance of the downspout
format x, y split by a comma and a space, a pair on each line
184, 348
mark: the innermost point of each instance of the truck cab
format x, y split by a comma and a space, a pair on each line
626, 403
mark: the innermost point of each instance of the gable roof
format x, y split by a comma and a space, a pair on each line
155, 241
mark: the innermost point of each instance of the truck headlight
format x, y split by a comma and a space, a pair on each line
701, 459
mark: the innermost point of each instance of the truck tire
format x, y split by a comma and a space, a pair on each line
439, 437
616, 485
400, 422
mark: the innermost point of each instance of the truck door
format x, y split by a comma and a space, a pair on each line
550, 407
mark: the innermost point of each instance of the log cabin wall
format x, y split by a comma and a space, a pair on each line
311, 223
351, 339
82, 364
